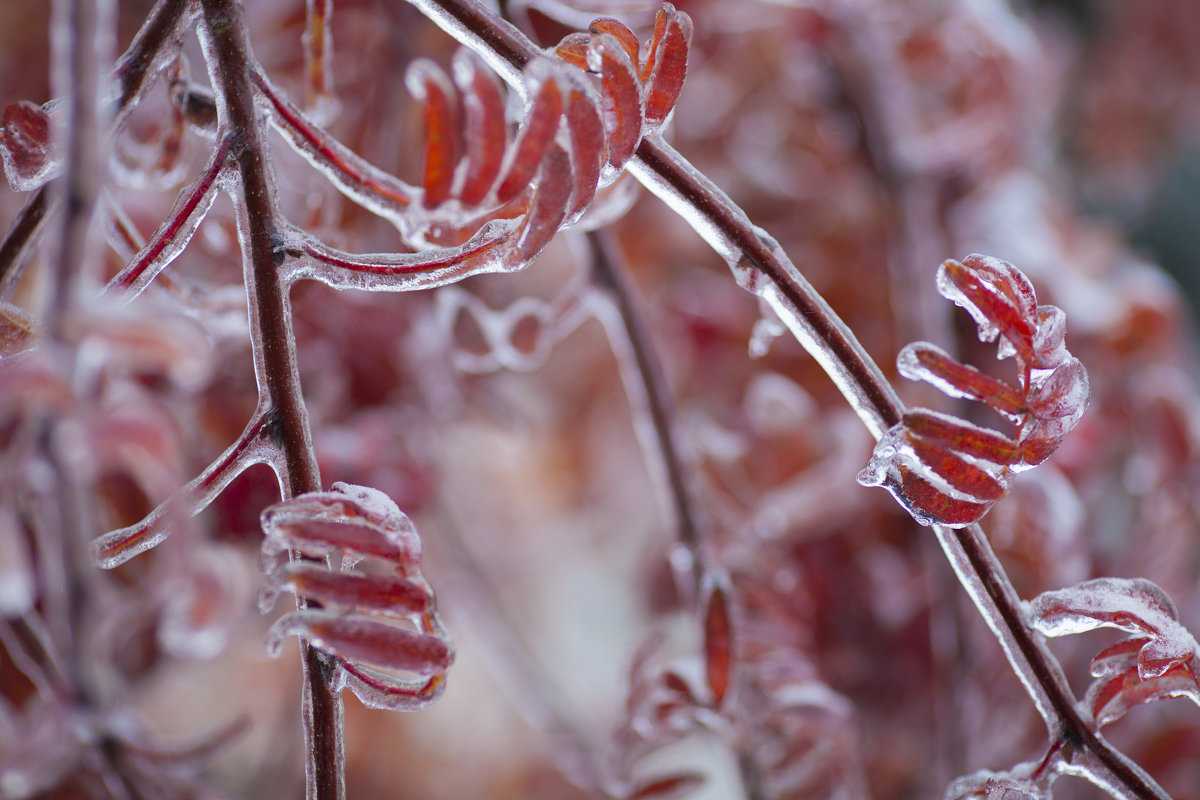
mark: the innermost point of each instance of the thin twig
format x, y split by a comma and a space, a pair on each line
278, 377
15, 247
611, 274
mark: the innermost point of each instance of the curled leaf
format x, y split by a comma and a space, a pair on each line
927, 453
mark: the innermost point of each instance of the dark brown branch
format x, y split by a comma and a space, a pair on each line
14, 249
140, 62
279, 379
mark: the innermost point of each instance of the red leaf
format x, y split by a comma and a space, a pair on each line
428, 84
621, 98
997, 295
26, 144
486, 134
669, 68
548, 208
660, 30
665, 788
534, 139
351, 590
939, 507
587, 148
1063, 395
959, 473
573, 49
619, 31
1113, 697
359, 639
921, 361
962, 437
718, 643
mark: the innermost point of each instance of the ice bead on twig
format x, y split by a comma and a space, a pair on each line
944, 470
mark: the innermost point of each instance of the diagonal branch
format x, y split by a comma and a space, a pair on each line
762, 268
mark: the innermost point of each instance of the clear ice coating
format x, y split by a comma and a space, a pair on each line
27, 147
948, 471
518, 337
173, 235
252, 447
1136, 606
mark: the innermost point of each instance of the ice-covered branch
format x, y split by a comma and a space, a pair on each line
253, 446
177, 229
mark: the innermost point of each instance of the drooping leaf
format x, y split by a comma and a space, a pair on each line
534, 140
668, 67
429, 85
718, 643
485, 134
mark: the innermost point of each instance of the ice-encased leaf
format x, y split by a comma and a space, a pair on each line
666, 64
364, 639
960, 436
536, 133
1134, 605
997, 295
431, 87
621, 98
26, 146
586, 134
1113, 694
619, 31
485, 134
1062, 395
357, 519
921, 361
932, 499
349, 590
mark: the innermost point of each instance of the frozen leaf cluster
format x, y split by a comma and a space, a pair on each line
372, 609
1158, 660
948, 471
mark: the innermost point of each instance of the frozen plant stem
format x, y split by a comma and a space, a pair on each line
611, 275
271, 327
729, 231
